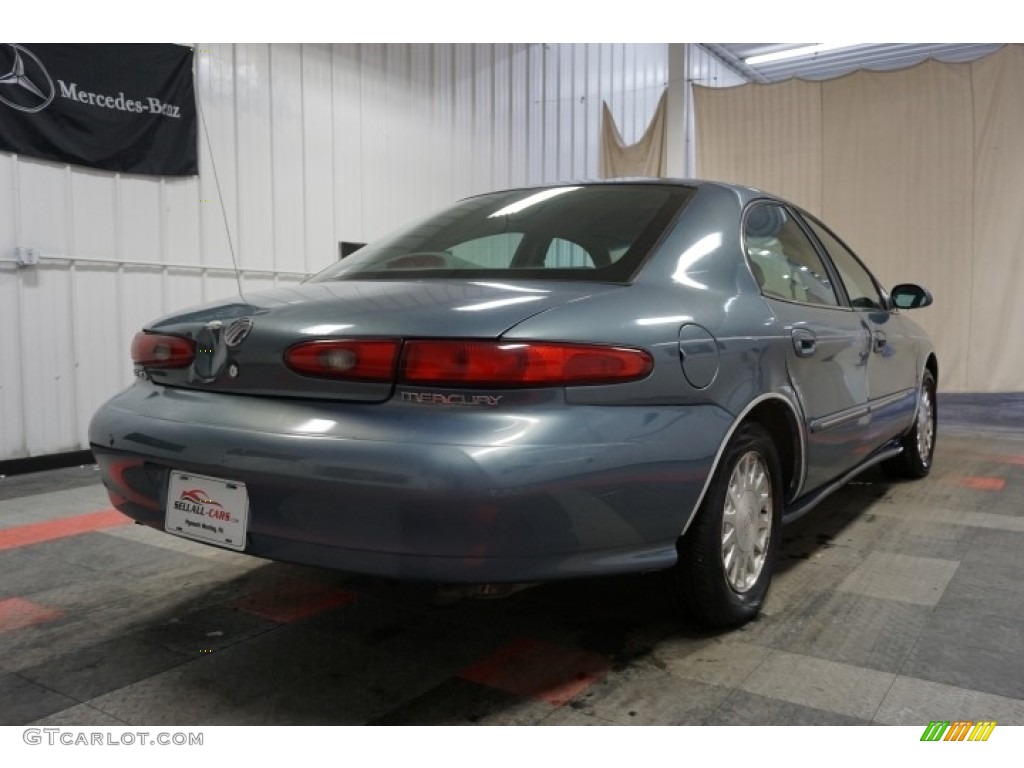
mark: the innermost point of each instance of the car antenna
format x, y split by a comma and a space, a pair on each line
220, 196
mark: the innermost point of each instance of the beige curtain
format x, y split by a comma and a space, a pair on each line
645, 158
919, 171
997, 258
775, 129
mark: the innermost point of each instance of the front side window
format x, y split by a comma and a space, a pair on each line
860, 286
785, 263
588, 232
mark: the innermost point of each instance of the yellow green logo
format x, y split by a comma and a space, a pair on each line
958, 730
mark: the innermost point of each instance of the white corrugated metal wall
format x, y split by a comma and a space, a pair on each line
313, 144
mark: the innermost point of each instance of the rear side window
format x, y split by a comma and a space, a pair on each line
860, 286
587, 232
783, 259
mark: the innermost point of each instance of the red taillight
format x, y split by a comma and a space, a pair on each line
345, 359
519, 364
154, 350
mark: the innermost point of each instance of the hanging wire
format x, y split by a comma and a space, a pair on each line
220, 196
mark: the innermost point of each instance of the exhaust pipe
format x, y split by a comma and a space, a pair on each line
454, 593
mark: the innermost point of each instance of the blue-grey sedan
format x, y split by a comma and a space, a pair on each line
533, 385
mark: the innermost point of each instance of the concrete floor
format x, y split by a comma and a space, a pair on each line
893, 603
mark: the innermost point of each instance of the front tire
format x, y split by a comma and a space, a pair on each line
919, 443
726, 558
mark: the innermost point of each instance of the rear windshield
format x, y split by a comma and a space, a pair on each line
600, 233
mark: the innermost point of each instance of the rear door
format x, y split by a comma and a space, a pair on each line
892, 365
827, 343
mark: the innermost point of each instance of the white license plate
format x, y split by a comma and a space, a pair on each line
207, 509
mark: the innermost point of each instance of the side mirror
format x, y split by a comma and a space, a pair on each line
910, 296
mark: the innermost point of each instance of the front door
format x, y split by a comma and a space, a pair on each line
828, 343
892, 364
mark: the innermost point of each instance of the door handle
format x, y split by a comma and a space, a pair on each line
878, 341
804, 342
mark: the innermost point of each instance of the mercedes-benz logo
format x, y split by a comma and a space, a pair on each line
237, 331
25, 85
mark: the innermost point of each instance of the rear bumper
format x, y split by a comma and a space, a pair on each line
438, 493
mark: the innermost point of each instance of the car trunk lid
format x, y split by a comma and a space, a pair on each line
241, 345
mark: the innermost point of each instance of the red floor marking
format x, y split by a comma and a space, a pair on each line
976, 483
1005, 458
539, 670
17, 613
23, 535
292, 602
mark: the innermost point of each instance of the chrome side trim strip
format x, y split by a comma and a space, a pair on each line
882, 402
835, 420
728, 436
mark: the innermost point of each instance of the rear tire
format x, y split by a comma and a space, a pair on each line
726, 557
919, 443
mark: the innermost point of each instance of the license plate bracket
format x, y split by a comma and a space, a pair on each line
207, 509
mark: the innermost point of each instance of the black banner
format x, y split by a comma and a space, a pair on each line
121, 107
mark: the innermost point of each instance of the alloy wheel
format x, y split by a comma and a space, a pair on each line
925, 426
746, 521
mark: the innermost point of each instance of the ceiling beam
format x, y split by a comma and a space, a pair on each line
735, 63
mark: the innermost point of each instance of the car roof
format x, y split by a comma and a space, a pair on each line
744, 193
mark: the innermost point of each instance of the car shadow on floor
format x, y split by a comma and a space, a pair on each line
278, 643
824, 526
